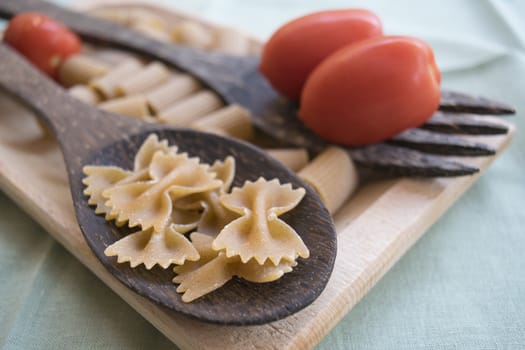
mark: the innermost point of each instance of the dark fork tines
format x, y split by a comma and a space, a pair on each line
416, 152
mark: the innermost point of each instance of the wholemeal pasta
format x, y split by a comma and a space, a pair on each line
85, 94
168, 195
148, 204
333, 175
258, 233
149, 77
232, 120
231, 41
193, 34
171, 91
151, 31
293, 158
106, 84
80, 69
132, 106
196, 223
189, 109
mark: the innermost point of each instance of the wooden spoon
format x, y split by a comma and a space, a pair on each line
88, 135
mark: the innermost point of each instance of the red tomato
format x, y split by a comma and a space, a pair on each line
43, 41
370, 91
300, 45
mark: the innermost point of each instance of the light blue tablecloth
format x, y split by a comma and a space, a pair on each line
462, 286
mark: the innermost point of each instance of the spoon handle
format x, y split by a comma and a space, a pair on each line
221, 72
76, 125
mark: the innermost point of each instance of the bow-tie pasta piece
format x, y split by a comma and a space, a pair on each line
185, 220
148, 149
100, 178
149, 203
214, 216
213, 270
151, 248
259, 233
225, 171
207, 278
254, 272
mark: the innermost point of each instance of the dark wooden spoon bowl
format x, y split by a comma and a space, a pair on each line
87, 135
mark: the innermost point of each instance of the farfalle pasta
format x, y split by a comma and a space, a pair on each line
188, 216
259, 234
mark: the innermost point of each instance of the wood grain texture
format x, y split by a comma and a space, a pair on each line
375, 228
91, 136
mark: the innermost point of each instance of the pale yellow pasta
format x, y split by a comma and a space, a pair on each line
333, 175
192, 34
259, 233
149, 203
131, 106
100, 178
147, 150
85, 94
232, 120
214, 269
106, 85
171, 91
293, 158
186, 111
231, 41
152, 248
145, 79
168, 194
214, 215
205, 279
150, 119
80, 69
116, 15
151, 31
149, 18
112, 57
254, 272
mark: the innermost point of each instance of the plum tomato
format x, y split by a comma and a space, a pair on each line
372, 90
43, 41
296, 48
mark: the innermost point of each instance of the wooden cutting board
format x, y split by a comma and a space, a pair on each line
375, 227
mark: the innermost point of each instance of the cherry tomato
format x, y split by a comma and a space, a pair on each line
300, 45
43, 41
372, 90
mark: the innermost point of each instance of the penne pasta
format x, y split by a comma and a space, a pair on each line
188, 110
145, 79
80, 69
293, 158
147, 18
333, 175
232, 120
84, 93
106, 85
166, 94
231, 41
131, 106
120, 16
112, 57
193, 34
151, 31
